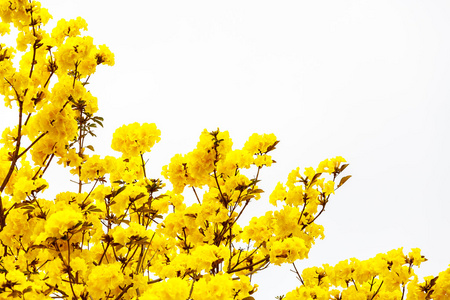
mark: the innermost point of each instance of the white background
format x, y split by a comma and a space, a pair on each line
367, 80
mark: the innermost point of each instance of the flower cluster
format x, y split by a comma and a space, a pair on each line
386, 276
135, 139
119, 235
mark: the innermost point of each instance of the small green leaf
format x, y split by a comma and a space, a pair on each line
120, 190
256, 191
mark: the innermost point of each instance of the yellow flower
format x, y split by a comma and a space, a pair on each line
4, 28
60, 222
309, 172
442, 287
105, 56
328, 188
135, 139
172, 289
78, 264
73, 52
18, 279
235, 159
278, 194
326, 166
176, 173
105, 278
214, 287
416, 257
94, 167
260, 229
258, 143
263, 160
69, 28
22, 188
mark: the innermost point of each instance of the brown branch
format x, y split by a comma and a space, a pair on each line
298, 274
104, 252
245, 205
192, 289
32, 144
34, 44
377, 290
68, 269
14, 158
196, 195
124, 290
265, 259
154, 281
143, 165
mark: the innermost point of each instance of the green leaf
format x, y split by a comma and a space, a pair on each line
93, 208
98, 120
139, 196
120, 190
256, 191
29, 207
247, 197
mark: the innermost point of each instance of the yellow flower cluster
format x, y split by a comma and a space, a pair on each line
194, 168
214, 162
120, 236
135, 139
386, 276
289, 233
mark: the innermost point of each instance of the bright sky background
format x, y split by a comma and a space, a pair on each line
367, 80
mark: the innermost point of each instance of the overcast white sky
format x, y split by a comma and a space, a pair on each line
367, 80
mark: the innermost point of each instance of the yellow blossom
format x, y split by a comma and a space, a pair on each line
135, 139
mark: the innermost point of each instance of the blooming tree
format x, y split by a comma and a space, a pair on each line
122, 235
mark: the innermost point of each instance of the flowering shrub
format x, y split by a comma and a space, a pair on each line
124, 237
